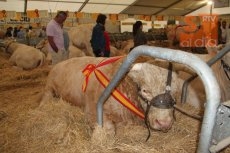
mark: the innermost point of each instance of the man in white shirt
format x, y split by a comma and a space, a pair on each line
55, 37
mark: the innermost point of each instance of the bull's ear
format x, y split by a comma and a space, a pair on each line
136, 67
134, 72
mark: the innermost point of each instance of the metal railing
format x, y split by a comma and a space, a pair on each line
202, 69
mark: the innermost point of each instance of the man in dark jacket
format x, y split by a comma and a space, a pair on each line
138, 34
98, 39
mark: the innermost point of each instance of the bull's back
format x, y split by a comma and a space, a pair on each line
27, 57
66, 80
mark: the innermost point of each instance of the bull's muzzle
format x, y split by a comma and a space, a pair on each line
162, 101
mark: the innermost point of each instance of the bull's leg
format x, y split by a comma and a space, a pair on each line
109, 126
101, 135
47, 95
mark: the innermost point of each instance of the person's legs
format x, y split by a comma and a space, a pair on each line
97, 53
107, 53
56, 57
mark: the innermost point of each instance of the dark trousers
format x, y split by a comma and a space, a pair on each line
107, 53
98, 53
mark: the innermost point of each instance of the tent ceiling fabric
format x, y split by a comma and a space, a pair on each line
132, 7
164, 7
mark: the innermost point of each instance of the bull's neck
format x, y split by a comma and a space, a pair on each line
9, 44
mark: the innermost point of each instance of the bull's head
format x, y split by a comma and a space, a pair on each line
6, 44
158, 107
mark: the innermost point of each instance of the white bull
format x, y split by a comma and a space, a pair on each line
80, 37
66, 79
75, 52
27, 58
23, 56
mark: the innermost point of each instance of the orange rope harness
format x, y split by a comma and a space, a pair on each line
105, 81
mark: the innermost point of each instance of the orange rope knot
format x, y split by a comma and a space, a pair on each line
87, 71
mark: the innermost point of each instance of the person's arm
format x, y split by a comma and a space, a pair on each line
144, 38
102, 41
52, 44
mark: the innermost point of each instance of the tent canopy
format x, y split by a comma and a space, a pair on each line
132, 7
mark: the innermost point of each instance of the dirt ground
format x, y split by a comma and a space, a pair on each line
56, 127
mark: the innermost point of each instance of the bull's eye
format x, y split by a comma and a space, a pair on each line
144, 90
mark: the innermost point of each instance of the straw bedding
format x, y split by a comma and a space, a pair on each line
56, 127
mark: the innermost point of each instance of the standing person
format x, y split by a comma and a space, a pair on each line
9, 32
219, 32
42, 33
223, 32
32, 37
55, 37
21, 34
98, 39
27, 37
15, 32
228, 34
138, 34
107, 44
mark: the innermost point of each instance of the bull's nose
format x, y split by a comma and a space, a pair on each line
165, 125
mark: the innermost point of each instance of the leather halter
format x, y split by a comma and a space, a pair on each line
162, 101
